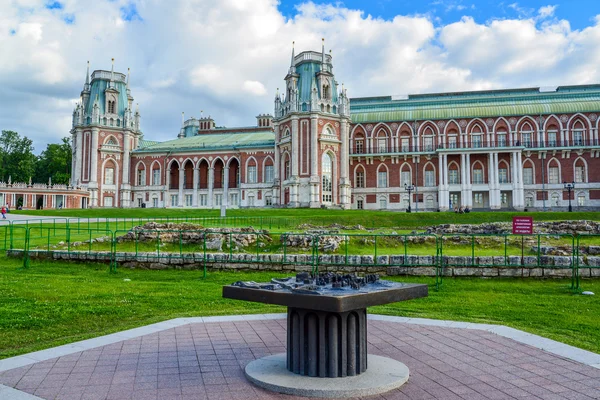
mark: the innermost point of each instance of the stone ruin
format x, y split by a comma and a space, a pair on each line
500, 228
328, 241
195, 234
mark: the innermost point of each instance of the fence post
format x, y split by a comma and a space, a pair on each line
113, 253
26, 249
204, 258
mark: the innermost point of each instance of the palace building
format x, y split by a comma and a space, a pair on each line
493, 149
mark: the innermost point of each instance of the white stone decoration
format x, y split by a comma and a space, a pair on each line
394, 126
440, 124
462, 123
489, 122
513, 121
369, 127
593, 117
564, 118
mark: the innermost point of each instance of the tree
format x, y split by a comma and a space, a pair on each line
16, 157
55, 163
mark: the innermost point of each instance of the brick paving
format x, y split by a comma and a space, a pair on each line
205, 361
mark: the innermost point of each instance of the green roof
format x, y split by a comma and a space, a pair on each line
145, 143
213, 141
489, 103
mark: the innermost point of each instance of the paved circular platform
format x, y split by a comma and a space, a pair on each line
382, 375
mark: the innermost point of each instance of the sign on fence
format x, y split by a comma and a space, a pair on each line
522, 226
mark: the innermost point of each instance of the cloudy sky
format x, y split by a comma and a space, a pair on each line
227, 57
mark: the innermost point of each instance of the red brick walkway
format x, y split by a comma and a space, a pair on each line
205, 361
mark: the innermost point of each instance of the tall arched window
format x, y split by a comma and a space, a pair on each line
327, 182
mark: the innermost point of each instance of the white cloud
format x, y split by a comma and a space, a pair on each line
255, 87
228, 57
547, 11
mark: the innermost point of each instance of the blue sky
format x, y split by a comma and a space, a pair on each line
228, 57
579, 13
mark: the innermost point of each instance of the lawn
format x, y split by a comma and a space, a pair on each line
369, 219
55, 303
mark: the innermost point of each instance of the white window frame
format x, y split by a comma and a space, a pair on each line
109, 176
528, 176
553, 175
429, 178
269, 174
251, 174
382, 178
156, 177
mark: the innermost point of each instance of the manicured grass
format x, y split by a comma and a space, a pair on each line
55, 303
369, 219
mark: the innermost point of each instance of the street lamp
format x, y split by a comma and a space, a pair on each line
409, 189
570, 187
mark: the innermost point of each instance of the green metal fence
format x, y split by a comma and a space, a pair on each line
115, 240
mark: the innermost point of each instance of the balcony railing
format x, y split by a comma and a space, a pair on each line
473, 145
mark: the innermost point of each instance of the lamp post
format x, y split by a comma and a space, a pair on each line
409, 189
570, 187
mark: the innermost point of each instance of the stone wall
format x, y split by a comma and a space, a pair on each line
549, 266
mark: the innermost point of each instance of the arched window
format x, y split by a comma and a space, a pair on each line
359, 144
111, 142
326, 94
382, 177
327, 176
527, 135
156, 174
111, 106
580, 171
251, 175
478, 174
141, 175
359, 180
581, 199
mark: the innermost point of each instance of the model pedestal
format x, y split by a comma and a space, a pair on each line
326, 344
326, 352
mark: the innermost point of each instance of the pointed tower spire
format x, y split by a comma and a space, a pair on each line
322, 50
182, 118
87, 75
112, 73
292, 66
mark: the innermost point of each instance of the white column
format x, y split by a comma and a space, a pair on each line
469, 181
344, 181
314, 163
463, 180
491, 180
126, 158
94, 174
225, 201
78, 157
520, 179
497, 199
441, 203
514, 179
195, 185
181, 180
294, 198
446, 184
295, 146
563, 137
211, 186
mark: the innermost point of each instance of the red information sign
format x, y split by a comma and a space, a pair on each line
522, 225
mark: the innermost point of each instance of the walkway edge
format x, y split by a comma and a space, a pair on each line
551, 346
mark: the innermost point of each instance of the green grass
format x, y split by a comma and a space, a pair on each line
370, 219
55, 303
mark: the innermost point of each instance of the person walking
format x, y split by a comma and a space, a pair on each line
3, 212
